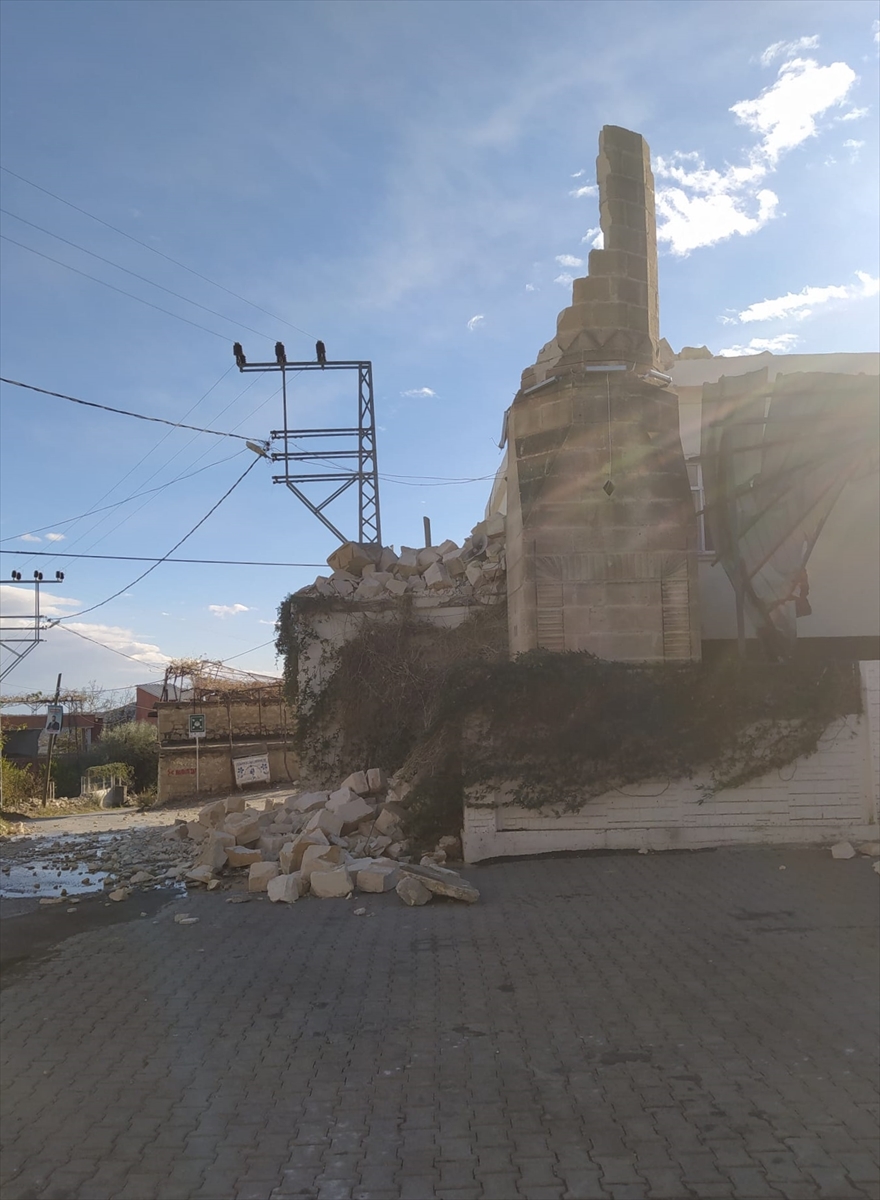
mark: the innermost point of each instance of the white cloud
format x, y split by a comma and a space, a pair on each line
705, 206
589, 190
788, 49
569, 260
565, 279
854, 114
781, 344
227, 610
595, 237
578, 174
530, 287
59, 537
274, 624
875, 30
475, 321
422, 393
801, 304
19, 601
113, 637
29, 537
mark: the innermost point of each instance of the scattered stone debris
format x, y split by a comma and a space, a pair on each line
870, 849
843, 850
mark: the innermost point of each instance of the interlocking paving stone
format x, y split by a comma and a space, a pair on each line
602, 1027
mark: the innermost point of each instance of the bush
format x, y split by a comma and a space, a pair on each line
134, 745
19, 784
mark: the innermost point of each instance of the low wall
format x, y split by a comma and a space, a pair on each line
827, 796
177, 768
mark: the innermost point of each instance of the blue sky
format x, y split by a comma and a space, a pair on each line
414, 184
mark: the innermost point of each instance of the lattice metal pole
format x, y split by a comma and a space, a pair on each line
369, 523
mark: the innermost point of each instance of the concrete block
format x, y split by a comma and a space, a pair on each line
377, 879
259, 875
307, 802
234, 803
412, 892
245, 826
283, 889
242, 856
357, 781
328, 822
214, 849
213, 815
377, 781
353, 813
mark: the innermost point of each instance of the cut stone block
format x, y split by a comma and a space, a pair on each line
388, 559
283, 889
291, 854
872, 849
493, 526
245, 826
242, 856
234, 803
843, 850
455, 563
214, 814
353, 557
270, 845
308, 802
214, 849
321, 858
396, 586
377, 781
412, 891
369, 589
177, 832
407, 563
437, 577
200, 874
328, 822
378, 879
427, 557
474, 573
327, 885
379, 842
451, 846
353, 813
342, 795
196, 830
259, 875
447, 547
442, 882
357, 781
387, 822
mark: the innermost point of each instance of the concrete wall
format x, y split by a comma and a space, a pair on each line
235, 728
830, 795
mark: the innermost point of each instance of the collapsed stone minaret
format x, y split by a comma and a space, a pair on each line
601, 528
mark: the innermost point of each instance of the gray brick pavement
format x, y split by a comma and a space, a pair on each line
632, 1027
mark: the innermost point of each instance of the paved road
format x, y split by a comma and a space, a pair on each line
680, 1025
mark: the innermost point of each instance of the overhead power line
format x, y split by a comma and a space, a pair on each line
212, 562
112, 649
149, 570
135, 275
114, 288
160, 253
124, 412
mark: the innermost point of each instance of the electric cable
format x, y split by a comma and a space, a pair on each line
112, 649
153, 250
117, 503
114, 288
149, 570
134, 274
213, 562
124, 412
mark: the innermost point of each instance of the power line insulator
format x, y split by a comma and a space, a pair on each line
38, 575
240, 360
16, 575
280, 354
321, 353
59, 575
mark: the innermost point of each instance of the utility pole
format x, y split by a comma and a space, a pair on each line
51, 746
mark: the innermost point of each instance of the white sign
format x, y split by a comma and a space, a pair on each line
254, 769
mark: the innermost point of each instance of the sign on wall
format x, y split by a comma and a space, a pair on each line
54, 718
197, 725
253, 769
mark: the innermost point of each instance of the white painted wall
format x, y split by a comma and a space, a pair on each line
828, 796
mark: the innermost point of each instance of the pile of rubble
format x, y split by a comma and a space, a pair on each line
444, 572
321, 843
